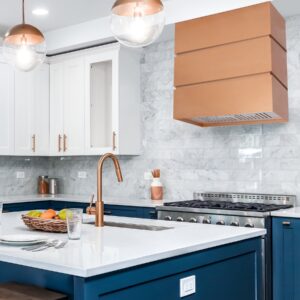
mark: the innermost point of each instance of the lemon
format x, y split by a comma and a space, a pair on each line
63, 214
34, 214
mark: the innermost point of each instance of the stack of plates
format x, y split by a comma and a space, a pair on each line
21, 239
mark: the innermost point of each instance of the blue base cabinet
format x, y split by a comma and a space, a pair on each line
113, 210
286, 259
12, 207
229, 272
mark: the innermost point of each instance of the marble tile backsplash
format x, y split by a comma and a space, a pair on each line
259, 158
32, 168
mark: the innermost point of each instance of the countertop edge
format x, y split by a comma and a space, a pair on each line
293, 212
132, 263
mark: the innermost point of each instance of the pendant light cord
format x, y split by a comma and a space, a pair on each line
23, 11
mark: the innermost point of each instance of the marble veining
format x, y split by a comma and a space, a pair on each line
257, 158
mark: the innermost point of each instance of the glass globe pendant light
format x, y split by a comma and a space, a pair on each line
24, 46
137, 23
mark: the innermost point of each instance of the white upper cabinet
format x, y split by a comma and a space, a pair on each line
95, 102
67, 100
85, 103
32, 112
6, 109
112, 111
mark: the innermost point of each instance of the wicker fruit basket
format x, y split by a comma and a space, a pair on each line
59, 226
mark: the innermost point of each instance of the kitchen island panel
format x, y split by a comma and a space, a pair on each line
229, 272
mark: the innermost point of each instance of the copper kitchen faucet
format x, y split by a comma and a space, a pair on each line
99, 222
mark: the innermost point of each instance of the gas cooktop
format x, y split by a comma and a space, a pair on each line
229, 205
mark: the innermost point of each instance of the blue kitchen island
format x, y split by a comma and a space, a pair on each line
118, 263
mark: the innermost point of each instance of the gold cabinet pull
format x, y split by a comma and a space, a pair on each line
59, 142
286, 223
65, 143
114, 141
33, 143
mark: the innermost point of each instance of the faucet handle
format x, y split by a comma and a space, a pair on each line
91, 210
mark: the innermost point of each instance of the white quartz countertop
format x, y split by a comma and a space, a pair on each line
107, 249
83, 198
293, 212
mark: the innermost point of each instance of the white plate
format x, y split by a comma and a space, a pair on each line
22, 243
21, 238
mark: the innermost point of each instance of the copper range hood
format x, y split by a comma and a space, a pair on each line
231, 68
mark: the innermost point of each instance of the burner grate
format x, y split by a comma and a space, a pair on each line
228, 205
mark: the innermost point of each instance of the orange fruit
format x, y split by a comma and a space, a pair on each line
48, 214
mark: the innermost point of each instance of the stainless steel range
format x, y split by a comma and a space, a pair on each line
232, 209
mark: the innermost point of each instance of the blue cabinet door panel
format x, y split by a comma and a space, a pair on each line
286, 259
211, 283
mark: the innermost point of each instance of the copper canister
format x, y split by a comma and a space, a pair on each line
43, 185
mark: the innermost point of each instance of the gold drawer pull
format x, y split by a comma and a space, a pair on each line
114, 141
286, 223
59, 142
65, 143
33, 143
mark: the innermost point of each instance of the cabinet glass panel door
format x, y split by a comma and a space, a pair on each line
102, 92
101, 133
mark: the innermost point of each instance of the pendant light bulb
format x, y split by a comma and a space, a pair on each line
25, 58
137, 23
24, 46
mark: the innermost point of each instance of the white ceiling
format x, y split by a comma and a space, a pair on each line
288, 7
64, 13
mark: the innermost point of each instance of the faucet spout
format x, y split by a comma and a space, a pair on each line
99, 203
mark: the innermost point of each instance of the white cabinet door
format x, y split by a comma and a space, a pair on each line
24, 92
74, 100
6, 109
101, 113
56, 108
32, 112
41, 110
112, 112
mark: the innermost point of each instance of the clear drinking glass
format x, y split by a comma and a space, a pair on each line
74, 221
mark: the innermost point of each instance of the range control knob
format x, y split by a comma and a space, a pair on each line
180, 219
168, 218
221, 222
235, 223
193, 220
206, 221
249, 225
